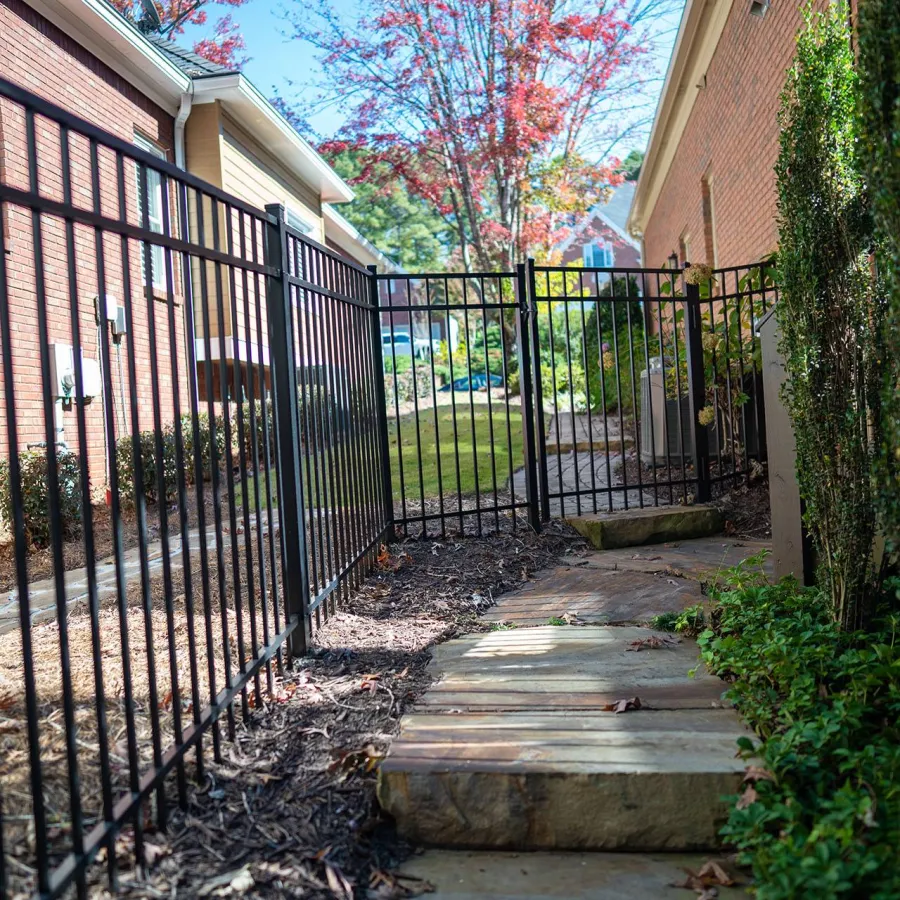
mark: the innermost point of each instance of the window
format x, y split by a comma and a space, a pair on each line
154, 214
296, 220
598, 255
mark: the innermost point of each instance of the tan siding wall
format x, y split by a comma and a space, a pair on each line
249, 173
203, 155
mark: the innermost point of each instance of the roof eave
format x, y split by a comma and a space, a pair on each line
116, 42
346, 236
702, 23
252, 110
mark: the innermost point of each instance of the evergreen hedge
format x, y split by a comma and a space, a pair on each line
831, 312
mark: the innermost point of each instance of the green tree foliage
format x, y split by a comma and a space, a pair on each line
631, 165
879, 116
830, 311
405, 228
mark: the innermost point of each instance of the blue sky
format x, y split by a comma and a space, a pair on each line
280, 64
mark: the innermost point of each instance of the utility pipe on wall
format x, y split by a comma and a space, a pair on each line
184, 110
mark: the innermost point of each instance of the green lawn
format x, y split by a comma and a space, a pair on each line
437, 446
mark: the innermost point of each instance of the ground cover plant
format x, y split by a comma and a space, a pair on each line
819, 815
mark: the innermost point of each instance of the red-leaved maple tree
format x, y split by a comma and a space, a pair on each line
226, 45
502, 113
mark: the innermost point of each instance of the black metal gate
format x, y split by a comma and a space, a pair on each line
647, 383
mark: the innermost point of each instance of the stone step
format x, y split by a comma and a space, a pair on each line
514, 746
653, 525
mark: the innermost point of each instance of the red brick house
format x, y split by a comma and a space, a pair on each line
600, 238
707, 186
84, 56
81, 55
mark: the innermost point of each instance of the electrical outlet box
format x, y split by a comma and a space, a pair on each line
91, 379
118, 324
62, 371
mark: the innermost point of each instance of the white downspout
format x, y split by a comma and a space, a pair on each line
184, 110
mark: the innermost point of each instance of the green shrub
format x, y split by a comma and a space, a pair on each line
127, 470
830, 311
206, 444
35, 495
879, 115
819, 816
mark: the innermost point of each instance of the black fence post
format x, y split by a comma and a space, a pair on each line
697, 389
380, 398
540, 434
291, 507
525, 390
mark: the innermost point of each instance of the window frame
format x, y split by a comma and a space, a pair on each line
155, 221
589, 254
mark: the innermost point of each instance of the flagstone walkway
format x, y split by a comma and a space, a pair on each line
572, 738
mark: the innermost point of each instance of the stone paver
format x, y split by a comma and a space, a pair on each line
701, 558
597, 598
516, 746
565, 432
654, 525
461, 875
628, 585
570, 472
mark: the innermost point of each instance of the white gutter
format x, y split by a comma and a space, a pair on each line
184, 110
104, 33
343, 233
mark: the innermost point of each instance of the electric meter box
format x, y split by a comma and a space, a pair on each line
62, 371
62, 374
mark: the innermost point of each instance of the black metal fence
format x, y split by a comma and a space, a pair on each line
212, 422
193, 473
648, 383
460, 419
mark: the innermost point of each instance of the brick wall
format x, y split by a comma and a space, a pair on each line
726, 155
625, 255
38, 56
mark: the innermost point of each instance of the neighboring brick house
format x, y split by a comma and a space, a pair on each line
81, 55
707, 186
600, 239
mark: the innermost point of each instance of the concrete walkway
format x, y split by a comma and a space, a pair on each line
557, 876
42, 594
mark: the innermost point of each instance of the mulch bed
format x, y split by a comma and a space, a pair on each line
290, 811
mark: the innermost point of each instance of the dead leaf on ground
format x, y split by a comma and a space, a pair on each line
230, 884
707, 880
757, 773
385, 886
647, 558
748, 797
571, 618
654, 642
338, 882
621, 706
